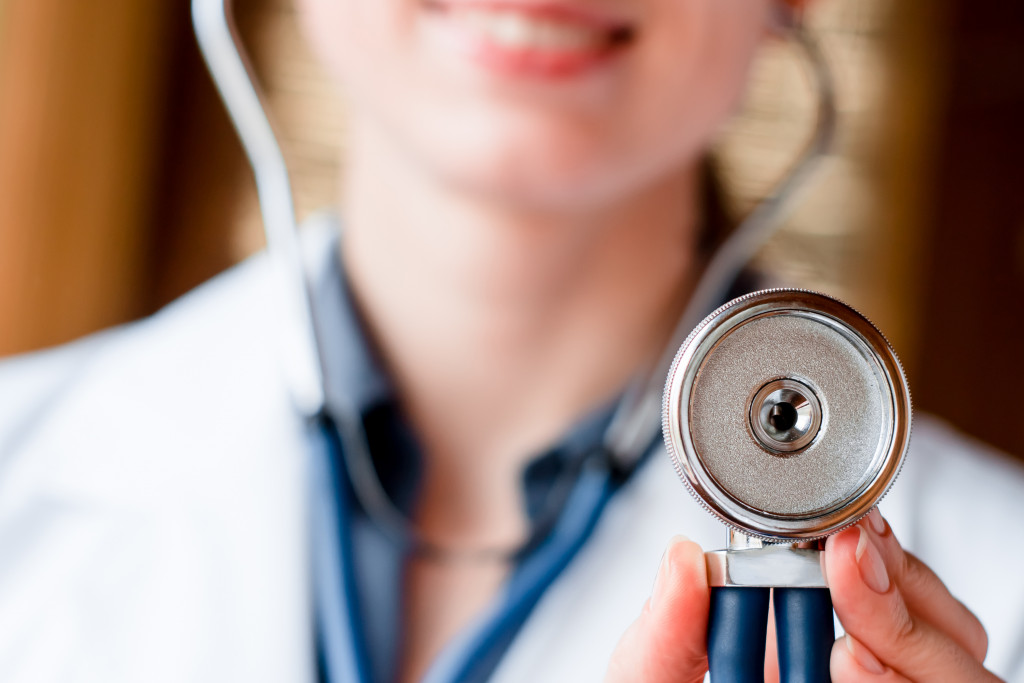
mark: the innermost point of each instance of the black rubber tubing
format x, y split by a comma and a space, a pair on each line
737, 627
806, 631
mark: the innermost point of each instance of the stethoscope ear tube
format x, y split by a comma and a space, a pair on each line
737, 631
297, 336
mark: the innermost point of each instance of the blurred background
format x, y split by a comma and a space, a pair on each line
122, 185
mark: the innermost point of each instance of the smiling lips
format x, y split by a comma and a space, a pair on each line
538, 40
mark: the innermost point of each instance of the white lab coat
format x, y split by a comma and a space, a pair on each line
153, 516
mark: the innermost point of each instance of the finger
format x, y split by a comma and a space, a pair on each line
853, 663
771, 649
667, 643
925, 593
872, 609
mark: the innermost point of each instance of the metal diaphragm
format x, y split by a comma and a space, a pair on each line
787, 414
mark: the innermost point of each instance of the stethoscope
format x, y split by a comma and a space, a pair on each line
636, 420
787, 415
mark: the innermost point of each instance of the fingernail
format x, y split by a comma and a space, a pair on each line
876, 521
863, 656
663, 582
870, 563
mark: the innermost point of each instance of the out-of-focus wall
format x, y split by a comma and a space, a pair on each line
80, 92
971, 325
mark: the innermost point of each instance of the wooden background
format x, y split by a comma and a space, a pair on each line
122, 185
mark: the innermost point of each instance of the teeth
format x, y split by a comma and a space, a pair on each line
518, 30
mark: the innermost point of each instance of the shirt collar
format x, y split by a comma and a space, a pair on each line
356, 379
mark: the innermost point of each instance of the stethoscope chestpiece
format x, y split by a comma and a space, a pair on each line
787, 415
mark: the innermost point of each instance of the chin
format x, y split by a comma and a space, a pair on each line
537, 182
558, 166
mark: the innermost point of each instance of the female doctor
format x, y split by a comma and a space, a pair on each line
525, 213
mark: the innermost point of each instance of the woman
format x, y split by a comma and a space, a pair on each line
522, 225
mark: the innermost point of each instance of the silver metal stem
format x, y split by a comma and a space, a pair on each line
738, 540
749, 563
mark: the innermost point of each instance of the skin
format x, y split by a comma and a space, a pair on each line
541, 250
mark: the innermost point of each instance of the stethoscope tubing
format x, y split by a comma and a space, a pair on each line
737, 630
805, 628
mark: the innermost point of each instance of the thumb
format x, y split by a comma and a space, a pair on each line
668, 642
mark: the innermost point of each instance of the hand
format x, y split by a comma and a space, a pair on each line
902, 623
668, 641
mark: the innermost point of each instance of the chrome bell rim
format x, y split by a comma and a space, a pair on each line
715, 493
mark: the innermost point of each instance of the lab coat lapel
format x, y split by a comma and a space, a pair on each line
136, 549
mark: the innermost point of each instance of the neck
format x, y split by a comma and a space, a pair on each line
502, 326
